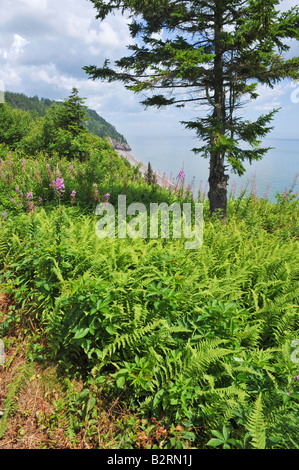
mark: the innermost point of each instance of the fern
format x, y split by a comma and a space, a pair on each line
196, 331
283, 428
256, 425
53, 322
128, 340
207, 353
170, 367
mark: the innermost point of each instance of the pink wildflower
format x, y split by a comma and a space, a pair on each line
73, 195
59, 185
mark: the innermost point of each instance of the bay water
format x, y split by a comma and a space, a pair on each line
277, 171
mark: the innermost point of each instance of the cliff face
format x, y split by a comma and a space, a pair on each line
119, 145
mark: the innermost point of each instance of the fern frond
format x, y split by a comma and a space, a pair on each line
206, 353
172, 367
53, 320
127, 340
256, 425
56, 270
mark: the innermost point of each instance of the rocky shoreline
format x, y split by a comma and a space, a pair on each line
120, 145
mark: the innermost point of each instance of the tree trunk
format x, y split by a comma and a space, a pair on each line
218, 179
217, 185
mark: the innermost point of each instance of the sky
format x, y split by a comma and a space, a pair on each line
45, 43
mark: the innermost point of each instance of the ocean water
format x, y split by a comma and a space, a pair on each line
274, 173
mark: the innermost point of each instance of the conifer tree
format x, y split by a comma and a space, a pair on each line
214, 53
72, 113
63, 129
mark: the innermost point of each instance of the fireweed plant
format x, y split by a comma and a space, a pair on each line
52, 180
199, 340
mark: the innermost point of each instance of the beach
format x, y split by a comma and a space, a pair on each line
161, 180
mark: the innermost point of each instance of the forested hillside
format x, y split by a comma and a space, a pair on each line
38, 107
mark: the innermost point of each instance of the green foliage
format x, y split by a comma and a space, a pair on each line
222, 439
256, 425
62, 130
199, 338
33, 104
14, 125
72, 113
38, 108
103, 129
27, 183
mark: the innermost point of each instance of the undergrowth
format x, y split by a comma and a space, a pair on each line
196, 344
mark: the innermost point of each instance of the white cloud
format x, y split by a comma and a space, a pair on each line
45, 43
10, 52
36, 5
18, 45
10, 78
270, 98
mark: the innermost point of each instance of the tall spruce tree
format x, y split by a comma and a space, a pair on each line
214, 53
